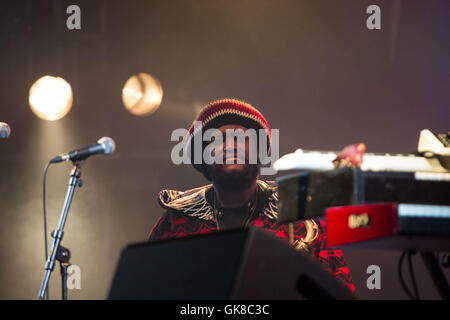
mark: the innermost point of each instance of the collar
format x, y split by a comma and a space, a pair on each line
193, 202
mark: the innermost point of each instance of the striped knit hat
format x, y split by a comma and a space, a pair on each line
227, 112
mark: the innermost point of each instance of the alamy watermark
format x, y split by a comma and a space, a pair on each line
73, 22
236, 148
374, 280
73, 277
373, 22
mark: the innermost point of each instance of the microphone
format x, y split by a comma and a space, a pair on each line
104, 145
5, 130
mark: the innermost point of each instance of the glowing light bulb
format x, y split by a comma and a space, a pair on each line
142, 94
50, 98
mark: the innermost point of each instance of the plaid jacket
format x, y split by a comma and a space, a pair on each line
189, 212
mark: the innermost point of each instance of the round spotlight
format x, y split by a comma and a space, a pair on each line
50, 98
142, 94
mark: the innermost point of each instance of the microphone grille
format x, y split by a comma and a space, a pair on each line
108, 144
5, 130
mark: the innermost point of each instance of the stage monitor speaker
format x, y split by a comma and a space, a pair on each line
240, 264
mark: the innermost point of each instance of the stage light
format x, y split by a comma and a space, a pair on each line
50, 98
142, 94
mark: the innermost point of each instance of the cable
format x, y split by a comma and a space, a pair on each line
400, 276
411, 272
45, 221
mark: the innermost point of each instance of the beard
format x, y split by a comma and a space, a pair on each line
234, 179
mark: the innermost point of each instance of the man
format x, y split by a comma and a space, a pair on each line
237, 198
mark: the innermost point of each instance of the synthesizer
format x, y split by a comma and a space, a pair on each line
323, 160
403, 226
433, 155
304, 195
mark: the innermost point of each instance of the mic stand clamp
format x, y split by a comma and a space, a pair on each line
63, 256
58, 233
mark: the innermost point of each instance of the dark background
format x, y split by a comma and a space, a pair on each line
311, 67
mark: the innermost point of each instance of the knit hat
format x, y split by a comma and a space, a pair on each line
226, 112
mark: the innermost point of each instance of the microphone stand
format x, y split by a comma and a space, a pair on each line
58, 252
63, 256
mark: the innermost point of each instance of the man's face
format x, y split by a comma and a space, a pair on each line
237, 171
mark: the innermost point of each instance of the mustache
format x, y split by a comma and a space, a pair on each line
239, 154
